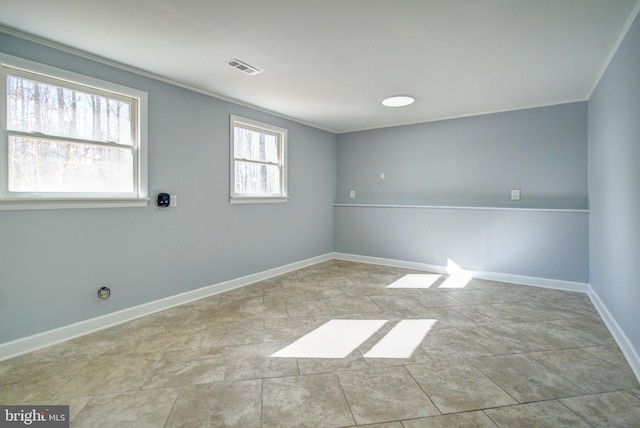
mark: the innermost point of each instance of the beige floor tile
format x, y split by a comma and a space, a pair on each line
458, 386
493, 344
326, 291
289, 329
353, 305
255, 362
224, 404
110, 375
137, 409
382, 425
383, 395
588, 372
232, 333
360, 289
501, 339
546, 334
430, 299
447, 317
310, 308
163, 338
263, 310
457, 420
612, 409
305, 401
76, 404
585, 331
545, 414
609, 353
37, 382
451, 343
181, 372
223, 312
354, 361
525, 379
391, 303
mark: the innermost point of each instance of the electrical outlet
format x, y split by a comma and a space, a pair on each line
352, 194
515, 194
173, 201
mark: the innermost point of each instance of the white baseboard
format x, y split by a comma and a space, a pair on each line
51, 337
621, 339
41, 340
555, 284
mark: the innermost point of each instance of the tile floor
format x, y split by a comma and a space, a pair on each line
498, 355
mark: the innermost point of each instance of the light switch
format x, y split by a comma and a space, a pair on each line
173, 201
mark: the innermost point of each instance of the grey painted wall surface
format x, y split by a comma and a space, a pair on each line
52, 262
472, 161
614, 186
541, 244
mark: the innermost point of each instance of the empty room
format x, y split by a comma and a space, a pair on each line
337, 213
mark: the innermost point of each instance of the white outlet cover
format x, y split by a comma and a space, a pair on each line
515, 195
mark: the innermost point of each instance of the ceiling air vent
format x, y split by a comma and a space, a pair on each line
244, 67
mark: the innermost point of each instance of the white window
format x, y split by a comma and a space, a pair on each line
258, 161
69, 141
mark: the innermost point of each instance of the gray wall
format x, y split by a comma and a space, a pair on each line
540, 244
614, 192
471, 162
52, 262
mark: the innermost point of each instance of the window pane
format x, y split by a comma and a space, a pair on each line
40, 107
255, 178
253, 145
38, 165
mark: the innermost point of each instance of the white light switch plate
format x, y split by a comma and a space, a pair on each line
173, 202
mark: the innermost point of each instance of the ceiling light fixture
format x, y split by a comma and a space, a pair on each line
398, 101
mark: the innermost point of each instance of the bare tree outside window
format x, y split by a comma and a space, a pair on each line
63, 139
257, 162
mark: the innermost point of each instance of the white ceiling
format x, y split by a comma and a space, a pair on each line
329, 63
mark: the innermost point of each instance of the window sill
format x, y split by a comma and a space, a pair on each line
258, 200
61, 203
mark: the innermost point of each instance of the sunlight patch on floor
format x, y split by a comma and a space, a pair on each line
334, 339
416, 280
458, 277
402, 340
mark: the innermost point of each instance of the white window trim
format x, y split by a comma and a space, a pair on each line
141, 198
241, 198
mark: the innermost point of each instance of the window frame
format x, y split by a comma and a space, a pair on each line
60, 200
281, 135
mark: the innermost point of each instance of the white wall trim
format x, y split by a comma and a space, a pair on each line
621, 339
41, 340
462, 207
555, 284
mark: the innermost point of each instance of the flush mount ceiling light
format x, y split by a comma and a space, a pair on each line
398, 101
